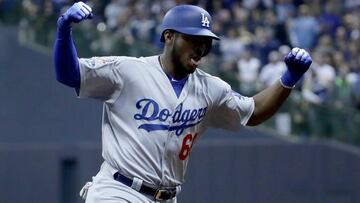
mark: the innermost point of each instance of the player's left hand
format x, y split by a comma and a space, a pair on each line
298, 62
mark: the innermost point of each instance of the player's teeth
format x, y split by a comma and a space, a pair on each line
196, 62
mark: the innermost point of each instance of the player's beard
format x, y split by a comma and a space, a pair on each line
180, 63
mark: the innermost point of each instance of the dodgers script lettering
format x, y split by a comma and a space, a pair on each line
149, 110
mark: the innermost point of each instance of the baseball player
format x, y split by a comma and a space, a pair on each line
156, 108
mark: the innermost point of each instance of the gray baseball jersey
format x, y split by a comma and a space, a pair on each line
147, 130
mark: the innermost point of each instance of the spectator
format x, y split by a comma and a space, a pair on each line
123, 34
264, 43
329, 20
250, 4
351, 4
345, 79
319, 82
272, 71
240, 15
303, 29
248, 70
284, 10
231, 45
114, 11
341, 37
143, 25
325, 44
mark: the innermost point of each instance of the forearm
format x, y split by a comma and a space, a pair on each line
65, 56
267, 102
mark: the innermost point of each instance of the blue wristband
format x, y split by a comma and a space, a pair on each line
64, 28
288, 80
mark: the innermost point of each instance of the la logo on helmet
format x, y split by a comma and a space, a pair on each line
205, 21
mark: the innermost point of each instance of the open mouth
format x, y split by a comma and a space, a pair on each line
195, 60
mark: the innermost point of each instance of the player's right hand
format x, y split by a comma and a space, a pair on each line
78, 12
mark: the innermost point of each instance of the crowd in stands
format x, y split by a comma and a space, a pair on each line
255, 36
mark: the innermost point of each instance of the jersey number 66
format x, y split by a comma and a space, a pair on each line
187, 145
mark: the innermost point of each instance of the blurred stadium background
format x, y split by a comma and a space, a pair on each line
50, 142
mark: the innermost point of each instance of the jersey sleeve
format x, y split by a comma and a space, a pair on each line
232, 109
101, 78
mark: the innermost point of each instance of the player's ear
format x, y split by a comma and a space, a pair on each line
169, 35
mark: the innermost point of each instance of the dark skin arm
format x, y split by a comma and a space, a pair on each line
267, 102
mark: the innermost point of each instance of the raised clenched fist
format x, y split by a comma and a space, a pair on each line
78, 12
298, 62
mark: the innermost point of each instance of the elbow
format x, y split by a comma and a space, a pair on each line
73, 82
253, 121
68, 82
258, 118
67, 75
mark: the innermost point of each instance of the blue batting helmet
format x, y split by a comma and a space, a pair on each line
189, 20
